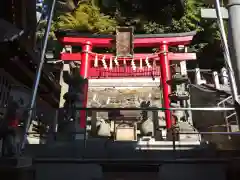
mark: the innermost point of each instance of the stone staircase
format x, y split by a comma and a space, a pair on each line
213, 121
230, 117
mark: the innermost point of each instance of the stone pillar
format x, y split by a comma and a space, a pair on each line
216, 80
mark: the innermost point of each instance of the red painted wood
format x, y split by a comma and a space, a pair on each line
163, 69
117, 72
138, 42
84, 72
165, 76
171, 56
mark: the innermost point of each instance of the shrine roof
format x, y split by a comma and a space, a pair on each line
73, 33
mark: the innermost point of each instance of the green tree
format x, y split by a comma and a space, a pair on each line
102, 16
86, 18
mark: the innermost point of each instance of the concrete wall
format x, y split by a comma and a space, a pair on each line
102, 150
166, 172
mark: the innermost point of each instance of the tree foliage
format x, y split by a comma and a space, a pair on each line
86, 18
155, 17
102, 16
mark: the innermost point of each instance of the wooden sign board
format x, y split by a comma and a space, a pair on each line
124, 41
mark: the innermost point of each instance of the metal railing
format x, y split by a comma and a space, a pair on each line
175, 142
226, 114
173, 145
135, 161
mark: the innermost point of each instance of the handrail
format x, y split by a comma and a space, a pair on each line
226, 99
183, 133
134, 161
149, 109
226, 52
231, 115
226, 115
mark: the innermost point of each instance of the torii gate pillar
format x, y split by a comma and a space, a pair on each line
84, 68
165, 76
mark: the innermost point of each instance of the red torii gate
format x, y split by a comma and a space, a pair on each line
163, 41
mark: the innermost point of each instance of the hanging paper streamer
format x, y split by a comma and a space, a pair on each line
116, 61
94, 97
111, 63
104, 63
154, 63
108, 100
96, 61
124, 62
133, 65
68, 49
141, 63
147, 62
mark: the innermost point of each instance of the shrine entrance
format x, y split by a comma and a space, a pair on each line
156, 69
